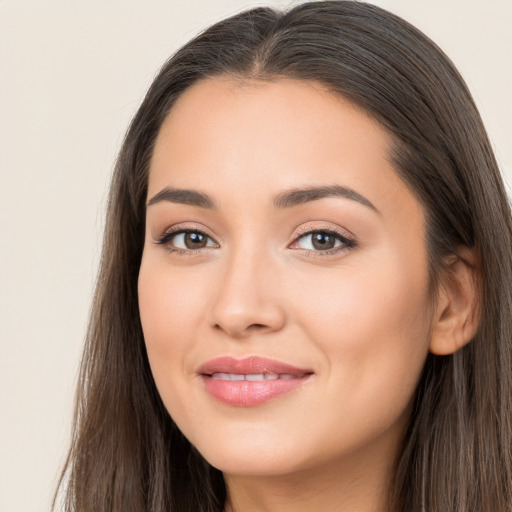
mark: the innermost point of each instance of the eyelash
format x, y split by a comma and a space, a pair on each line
346, 243
166, 237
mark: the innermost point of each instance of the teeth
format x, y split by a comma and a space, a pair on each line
253, 376
228, 376
262, 376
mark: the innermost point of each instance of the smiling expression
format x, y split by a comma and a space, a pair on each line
284, 286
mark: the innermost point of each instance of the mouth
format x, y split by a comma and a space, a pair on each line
255, 377
251, 381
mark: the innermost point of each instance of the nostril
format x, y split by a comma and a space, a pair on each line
238, 331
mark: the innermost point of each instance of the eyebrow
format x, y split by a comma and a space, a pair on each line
300, 196
182, 196
287, 199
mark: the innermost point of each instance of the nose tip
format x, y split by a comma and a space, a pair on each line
247, 303
248, 318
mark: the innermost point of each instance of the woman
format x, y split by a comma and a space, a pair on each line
304, 298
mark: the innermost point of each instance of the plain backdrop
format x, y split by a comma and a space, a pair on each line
72, 75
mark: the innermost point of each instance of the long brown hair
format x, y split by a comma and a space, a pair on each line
127, 455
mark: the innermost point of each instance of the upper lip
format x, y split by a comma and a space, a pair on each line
249, 365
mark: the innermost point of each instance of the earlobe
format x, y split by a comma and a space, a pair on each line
457, 313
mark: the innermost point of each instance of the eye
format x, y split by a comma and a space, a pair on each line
327, 241
186, 240
191, 240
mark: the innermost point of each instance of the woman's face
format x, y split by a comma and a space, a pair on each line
284, 287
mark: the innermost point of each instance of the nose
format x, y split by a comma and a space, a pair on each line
247, 299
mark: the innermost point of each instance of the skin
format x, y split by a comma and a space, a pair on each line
361, 317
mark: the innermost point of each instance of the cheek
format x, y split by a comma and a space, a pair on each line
373, 327
170, 311
372, 333
169, 302
372, 300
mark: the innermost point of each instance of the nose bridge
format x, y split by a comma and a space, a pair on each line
246, 299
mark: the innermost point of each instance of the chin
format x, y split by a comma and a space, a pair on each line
247, 465
261, 456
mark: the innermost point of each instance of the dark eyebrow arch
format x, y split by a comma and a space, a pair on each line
300, 196
182, 196
286, 199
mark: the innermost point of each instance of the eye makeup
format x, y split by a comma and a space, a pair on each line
314, 241
322, 241
185, 240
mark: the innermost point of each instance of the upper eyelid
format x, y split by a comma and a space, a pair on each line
171, 230
323, 229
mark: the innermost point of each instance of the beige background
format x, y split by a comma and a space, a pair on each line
71, 76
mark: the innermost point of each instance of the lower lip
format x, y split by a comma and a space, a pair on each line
244, 393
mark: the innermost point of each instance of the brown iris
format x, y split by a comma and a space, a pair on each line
194, 240
323, 241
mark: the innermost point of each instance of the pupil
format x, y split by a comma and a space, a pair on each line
323, 241
195, 240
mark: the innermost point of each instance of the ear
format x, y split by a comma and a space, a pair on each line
457, 313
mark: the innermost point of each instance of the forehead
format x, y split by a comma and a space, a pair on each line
237, 137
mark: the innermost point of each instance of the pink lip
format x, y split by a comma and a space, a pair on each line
249, 393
